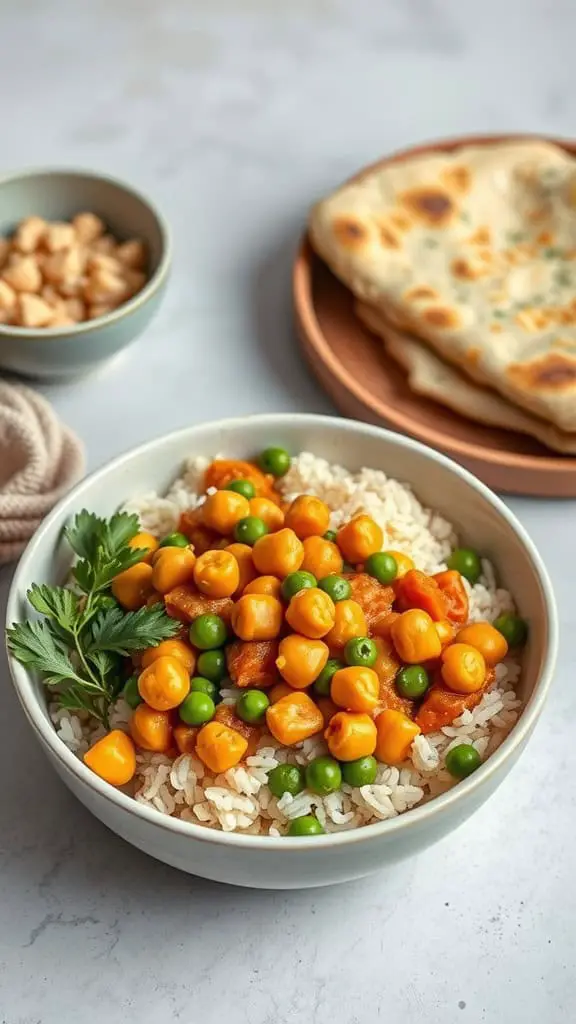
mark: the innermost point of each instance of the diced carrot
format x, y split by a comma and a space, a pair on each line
223, 471
454, 593
441, 706
186, 603
253, 663
191, 525
416, 590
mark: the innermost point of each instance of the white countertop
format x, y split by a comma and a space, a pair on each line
235, 114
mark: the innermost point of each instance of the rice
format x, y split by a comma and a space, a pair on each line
240, 800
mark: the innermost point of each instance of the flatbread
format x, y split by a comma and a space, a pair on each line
474, 252
430, 376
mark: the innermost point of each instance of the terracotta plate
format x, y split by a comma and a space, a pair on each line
364, 383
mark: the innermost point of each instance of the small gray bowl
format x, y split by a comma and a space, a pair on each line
62, 352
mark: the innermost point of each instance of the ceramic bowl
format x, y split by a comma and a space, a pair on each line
264, 862
63, 352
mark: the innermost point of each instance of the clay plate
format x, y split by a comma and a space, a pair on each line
365, 384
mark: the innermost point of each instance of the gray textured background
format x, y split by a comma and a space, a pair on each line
235, 114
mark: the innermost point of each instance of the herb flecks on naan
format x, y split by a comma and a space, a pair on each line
429, 375
474, 252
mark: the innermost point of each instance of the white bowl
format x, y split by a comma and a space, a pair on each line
264, 862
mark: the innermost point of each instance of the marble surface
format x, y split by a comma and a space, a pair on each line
235, 114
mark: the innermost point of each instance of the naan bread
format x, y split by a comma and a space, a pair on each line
475, 252
430, 376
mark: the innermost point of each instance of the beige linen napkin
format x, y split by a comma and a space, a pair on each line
40, 460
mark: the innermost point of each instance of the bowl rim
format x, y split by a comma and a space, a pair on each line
412, 818
152, 285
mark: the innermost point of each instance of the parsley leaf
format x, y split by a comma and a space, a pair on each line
102, 547
84, 534
34, 644
78, 646
123, 633
55, 603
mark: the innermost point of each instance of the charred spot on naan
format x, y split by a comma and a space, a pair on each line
443, 317
482, 236
554, 373
469, 269
431, 205
545, 238
389, 238
457, 178
533, 320
420, 293
472, 356
350, 232
400, 220
496, 328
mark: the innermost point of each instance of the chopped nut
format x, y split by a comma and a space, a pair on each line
63, 266
100, 261
135, 281
7, 298
23, 274
62, 320
59, 236
106, 245
132, 254
34, 312
102, 286
99, 309
52, 297
29, 234
75, 309
88, 227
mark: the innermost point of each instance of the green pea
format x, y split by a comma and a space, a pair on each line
462, 760
336, 587
360, 651
361, 772
307, 825
275, 461
330, 535
323, 775
382, 566
513, 629
131, 693
212, 665
252, 705
208, 632
174, 540
323, 682
286, 778
244, 487
412, 681
197, 708
198, 684
467, 563
294, 582
249, 529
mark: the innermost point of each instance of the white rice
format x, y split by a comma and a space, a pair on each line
240, 800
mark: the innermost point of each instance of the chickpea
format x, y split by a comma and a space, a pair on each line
311, 612
308, 516
359, 539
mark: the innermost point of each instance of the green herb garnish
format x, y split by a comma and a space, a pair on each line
78, 644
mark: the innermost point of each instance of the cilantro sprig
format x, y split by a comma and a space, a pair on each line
78, 644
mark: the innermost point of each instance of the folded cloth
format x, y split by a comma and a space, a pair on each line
40, 460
